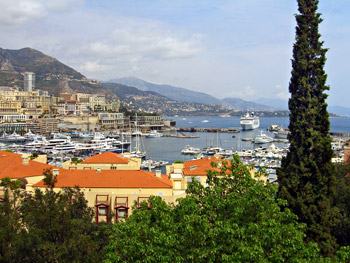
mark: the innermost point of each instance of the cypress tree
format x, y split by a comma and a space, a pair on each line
306, 177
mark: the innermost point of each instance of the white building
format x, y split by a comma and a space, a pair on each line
29, 81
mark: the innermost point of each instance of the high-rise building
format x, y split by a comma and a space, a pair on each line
29, 81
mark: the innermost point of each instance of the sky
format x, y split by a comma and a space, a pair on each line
226, 48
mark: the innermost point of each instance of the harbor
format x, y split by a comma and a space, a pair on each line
160, 148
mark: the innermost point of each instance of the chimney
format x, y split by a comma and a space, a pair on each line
159, 173
98, 170
25, 160
55, 172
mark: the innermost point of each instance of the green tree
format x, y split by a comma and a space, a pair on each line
342, 197
234, 219
12, 235
306, 177
49, 226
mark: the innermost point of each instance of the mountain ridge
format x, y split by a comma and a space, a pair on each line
50, 74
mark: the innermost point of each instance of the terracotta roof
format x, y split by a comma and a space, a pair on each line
110, 179
201, 166
11, 165
107, 157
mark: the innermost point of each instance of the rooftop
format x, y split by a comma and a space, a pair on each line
110, 179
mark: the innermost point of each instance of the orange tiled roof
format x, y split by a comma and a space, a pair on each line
201, 166
107, 157
11, 165
110, 179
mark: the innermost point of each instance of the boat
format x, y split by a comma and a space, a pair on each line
281, 133
205, 121
14, 137
153, 134
249, 121
190, 150
211, 150
274, 127
263, 138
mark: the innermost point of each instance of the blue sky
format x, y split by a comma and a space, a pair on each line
237, 48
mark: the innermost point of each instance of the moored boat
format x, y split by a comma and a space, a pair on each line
262, 138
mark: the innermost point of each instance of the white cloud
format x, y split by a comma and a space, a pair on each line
16, 12
94, 66
283, 95
155, 44
246, 93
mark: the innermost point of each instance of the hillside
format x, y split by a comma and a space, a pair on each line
51, 75
174, 93
150, 101
239, 104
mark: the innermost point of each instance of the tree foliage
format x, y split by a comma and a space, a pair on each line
306, 177
342, 229
234, 219
49, 226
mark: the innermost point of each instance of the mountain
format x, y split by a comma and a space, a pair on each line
278, 104
50, 74
174, 93
149, 101
239, 104
339, 110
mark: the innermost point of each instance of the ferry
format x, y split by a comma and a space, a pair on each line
249, 121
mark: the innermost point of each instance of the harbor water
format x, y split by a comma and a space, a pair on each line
169, 149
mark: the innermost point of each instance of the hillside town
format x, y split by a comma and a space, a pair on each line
27, 108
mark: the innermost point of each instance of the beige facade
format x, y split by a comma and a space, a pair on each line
111, 120
133, 164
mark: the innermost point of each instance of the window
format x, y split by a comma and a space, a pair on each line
122, 212
121, 207
102, 211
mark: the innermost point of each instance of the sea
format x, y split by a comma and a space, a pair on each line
169, 149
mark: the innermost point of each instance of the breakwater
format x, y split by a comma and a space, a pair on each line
196, 129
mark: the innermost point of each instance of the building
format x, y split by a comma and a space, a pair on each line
181, 174
29, 81
109, 120
105, 161
108, 191
114, 190
47, 125
16, 166
149, 122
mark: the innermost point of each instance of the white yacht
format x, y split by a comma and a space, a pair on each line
262, 138
154, 134
281, 133
14, 137
249, 121
190, 150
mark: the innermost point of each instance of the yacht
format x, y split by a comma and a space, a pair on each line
249, 121
262, 138
14, 137
154, 134
281, 133
190, 150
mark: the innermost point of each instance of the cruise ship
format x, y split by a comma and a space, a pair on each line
249, 121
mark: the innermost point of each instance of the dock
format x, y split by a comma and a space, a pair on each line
195, 129
181, 136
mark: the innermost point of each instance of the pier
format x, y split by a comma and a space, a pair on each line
195, 129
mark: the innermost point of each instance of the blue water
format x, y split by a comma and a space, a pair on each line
337, 124
169, 149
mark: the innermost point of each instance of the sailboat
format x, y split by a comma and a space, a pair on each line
137, 153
